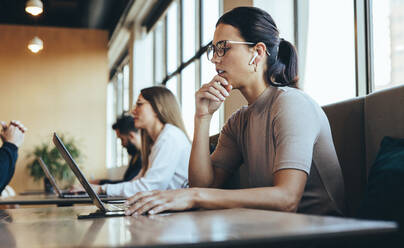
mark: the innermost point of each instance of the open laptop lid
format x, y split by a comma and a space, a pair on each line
49, 176
76, 170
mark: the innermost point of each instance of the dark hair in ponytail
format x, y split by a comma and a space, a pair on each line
256, 25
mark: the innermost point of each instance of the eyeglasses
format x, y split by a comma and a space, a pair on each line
221, 48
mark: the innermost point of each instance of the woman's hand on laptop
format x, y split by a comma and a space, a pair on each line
157, 201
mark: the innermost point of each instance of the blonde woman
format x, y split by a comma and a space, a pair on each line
165, 145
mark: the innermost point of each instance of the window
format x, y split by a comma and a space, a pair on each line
166, 54
327, 50
172, 37
388, 43
172, 85
159, 55
185, 30
188, 97
111, 145
189, 28
143, 61
283, 14
125, 88
117, 102
188, 77
210, 15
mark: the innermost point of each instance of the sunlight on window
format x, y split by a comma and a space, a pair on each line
172, 38
188, 24
388, 43
111, 150
172, 86
329, 74
210, 15
143, 61
159, 53
126, 105
188, 98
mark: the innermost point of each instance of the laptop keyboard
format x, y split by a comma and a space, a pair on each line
115, 207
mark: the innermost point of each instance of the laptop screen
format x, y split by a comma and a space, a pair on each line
68, 158
49, 176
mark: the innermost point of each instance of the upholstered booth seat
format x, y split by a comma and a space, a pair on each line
358, 126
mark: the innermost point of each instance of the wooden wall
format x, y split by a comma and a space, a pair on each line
62, 88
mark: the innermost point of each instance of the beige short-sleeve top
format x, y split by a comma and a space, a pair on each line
284, 129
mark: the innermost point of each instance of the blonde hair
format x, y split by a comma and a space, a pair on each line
166, 107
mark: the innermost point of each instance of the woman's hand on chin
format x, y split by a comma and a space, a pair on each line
157, 201
210, 96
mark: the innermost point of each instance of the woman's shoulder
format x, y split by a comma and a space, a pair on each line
170, 128
173, 133
294, 97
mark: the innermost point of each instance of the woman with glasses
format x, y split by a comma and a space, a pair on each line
282, 137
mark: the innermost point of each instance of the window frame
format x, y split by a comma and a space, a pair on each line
119, 156
200, 49
364, 57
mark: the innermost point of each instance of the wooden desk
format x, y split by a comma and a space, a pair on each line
50, 199
59, 227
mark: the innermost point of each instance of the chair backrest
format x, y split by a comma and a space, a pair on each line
384, 116
347, 126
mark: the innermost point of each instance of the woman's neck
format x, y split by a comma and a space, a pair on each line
253, 90
154, 130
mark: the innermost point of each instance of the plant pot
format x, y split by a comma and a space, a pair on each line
48, 186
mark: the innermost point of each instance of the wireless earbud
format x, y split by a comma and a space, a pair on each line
253, 58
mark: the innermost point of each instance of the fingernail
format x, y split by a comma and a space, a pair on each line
151, 212
226, 93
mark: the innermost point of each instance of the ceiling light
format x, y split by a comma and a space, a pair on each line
35, 45
34, 7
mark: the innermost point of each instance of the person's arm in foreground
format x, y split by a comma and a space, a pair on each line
12, 137
208, 100
285, 195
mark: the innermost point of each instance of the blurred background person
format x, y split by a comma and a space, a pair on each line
12, 136
129, 135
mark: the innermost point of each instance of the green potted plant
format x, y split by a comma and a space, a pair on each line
55, 162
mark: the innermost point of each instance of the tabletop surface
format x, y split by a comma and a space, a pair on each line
48, 199
59, 227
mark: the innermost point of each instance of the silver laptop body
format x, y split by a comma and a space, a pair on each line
103, 207
59, 192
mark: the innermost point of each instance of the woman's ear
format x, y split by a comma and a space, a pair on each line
260, 48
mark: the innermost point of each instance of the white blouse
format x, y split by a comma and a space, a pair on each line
168, 165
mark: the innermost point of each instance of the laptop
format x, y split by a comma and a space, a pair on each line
59, 192
104, 209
